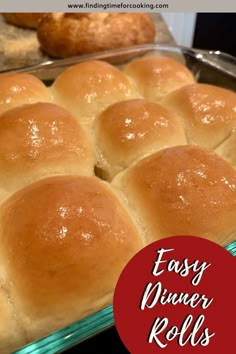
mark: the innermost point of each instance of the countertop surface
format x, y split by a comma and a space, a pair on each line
19, 47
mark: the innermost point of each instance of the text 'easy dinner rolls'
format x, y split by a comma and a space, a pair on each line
182, 190
72, 237
41, 140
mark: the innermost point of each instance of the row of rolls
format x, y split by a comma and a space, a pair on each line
95, 167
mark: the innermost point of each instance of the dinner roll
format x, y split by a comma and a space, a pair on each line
40, 140
129, 130
208, 112
17, 89
183, 190
89, 87
71, 34
11, 335
70, 239
22, 19
155, 76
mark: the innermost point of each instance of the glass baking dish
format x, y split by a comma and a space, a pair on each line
81, 330
211, 67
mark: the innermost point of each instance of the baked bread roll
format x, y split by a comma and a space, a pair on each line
41, 140
21, 19
70, 34
89, 87
18, 89
155, 76
72, 237
182, 190
208, 113
129, 130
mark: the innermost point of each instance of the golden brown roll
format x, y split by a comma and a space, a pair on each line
87, 88
40, 140
19, 89
156, 76
72, 237
208, 112
183, 190
64, 35
21, 19
129, 130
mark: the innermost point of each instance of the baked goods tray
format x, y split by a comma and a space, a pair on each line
211, 67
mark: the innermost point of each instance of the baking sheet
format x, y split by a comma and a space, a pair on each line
19, 47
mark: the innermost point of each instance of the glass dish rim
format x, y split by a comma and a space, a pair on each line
215, 58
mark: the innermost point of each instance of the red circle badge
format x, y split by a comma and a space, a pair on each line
177, 295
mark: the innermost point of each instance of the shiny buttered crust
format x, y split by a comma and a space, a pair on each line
64, 240
129, 130
64, 35
182, 190
89, 87
62, 255
27, 20
18, 89
41, 140
208, 113
155, 76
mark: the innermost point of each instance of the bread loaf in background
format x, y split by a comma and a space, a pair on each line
63, 35
71, 34
65, 235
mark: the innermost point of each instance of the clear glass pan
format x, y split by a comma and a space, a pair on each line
211, 67
81, 330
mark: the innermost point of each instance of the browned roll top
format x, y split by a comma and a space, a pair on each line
182, 190
72, 237
130, 130
18, 89
41, 140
